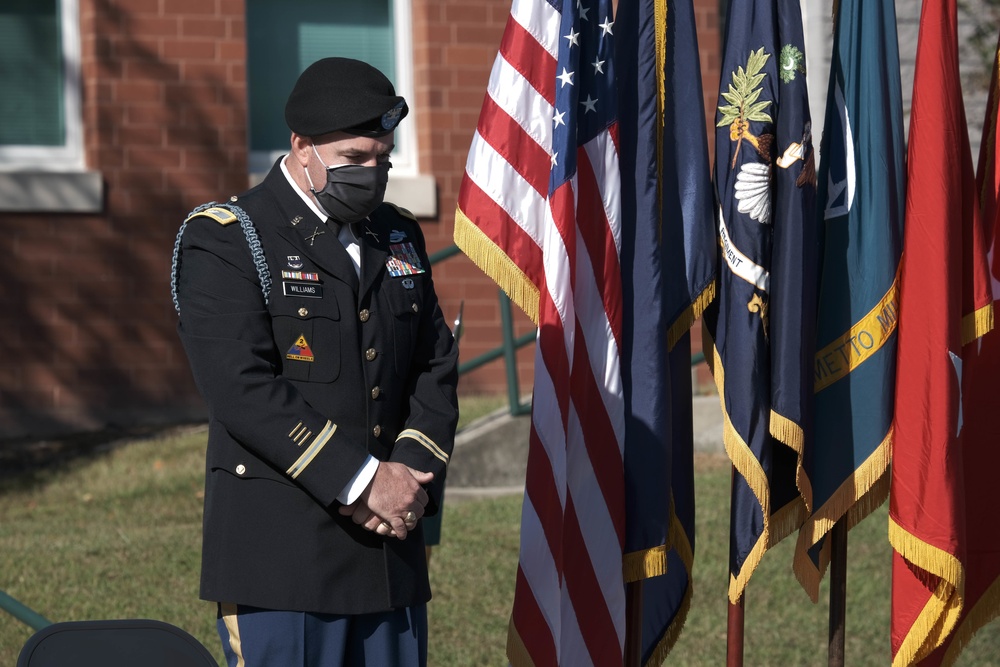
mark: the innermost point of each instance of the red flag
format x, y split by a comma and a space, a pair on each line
539, 211
981, 456
945, 306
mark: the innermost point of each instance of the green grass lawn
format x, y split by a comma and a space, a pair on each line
118, 536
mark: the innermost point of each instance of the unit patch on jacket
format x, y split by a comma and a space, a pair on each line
404, 260
300, 350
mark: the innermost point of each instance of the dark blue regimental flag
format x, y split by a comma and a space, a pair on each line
862, 191
759, 331
668, 264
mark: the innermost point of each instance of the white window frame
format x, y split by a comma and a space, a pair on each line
407, 186
54, 179
404, 162
70, 156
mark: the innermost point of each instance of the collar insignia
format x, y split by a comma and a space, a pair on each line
312, 237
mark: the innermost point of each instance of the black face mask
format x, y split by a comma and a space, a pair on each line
352, 191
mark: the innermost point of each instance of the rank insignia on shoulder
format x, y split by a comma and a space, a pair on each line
396, 236
300, 350
220, 215
404, 260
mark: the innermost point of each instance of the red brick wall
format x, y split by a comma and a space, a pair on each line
88, 326
455, 43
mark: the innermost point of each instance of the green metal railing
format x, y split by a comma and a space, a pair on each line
29, 617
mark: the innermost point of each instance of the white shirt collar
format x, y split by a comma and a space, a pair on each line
346, 233
295, 186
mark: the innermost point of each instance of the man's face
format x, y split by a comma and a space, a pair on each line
308, 155
339, 148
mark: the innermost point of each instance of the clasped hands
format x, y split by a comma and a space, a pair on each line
393, 502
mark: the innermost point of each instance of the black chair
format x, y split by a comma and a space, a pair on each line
114, 643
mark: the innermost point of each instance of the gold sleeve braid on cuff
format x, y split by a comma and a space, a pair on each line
314, 448
425, 441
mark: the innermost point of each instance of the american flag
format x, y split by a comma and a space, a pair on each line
539, 211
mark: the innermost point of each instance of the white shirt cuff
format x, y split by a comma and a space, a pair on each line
359, 482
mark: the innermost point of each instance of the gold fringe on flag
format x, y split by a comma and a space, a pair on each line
984, 611
938, 617
659, 653
791, 434
639, 565
495, 263
660, 37
679, 542
777, 527
977, 324
787, 519
686, 320
517, 653
856, 498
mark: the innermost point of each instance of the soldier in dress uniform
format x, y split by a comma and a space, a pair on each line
309, 317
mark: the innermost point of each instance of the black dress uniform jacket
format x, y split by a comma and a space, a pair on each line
301, 385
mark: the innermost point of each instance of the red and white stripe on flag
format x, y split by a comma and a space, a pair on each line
539, 212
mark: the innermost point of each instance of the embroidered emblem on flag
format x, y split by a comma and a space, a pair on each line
300, 350
404, 260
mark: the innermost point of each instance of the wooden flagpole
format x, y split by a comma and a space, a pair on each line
838, 593
734, 618
838, 558
734, 633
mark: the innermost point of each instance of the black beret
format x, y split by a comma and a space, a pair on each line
345, 95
